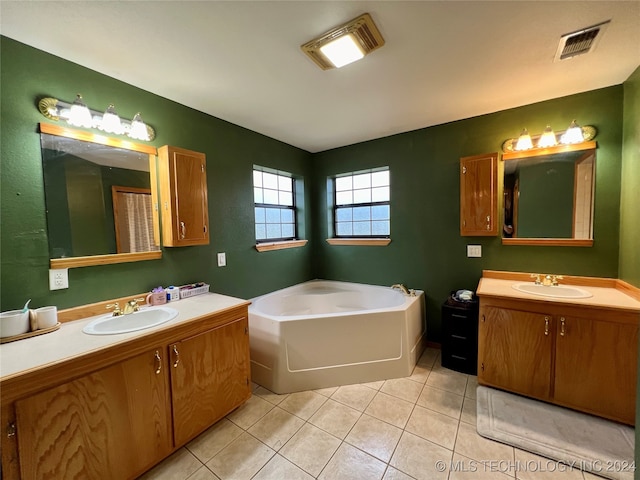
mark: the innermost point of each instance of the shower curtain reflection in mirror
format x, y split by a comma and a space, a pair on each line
132, 212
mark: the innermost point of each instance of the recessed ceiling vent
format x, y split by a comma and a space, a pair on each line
580, 42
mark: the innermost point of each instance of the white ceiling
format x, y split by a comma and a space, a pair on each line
241, 60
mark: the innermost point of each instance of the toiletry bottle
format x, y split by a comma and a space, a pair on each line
173, 293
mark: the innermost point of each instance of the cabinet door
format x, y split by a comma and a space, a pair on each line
479, 195
209, 378
183, 190
111, 424
596, 367
514, 351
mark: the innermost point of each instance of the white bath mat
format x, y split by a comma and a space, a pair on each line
589, 443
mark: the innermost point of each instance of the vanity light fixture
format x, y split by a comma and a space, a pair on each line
344, 44
78, 114
573, 134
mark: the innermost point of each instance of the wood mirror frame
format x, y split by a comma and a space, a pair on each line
541, 152
73, 262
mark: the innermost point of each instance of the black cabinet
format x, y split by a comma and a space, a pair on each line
460, 336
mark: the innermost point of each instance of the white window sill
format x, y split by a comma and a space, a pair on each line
371, 242
266, 247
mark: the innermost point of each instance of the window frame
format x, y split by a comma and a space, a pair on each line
292, 207
337, 239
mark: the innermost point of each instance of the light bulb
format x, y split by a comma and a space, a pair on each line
79, 114
573, 134
524, 141
138, 128
111, 121
548, 138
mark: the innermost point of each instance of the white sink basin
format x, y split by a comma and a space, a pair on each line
556, 291
145, 318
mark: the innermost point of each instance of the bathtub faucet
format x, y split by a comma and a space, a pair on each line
404, 289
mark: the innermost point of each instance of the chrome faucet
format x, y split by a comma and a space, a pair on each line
404, 289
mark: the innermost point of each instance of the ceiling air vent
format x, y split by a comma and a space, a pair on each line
580, 42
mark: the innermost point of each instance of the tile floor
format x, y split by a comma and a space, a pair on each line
419, 427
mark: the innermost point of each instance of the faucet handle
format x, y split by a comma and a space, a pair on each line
116, 309
555, 278
134, 303
537, 278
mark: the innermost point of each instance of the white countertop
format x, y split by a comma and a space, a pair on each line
69, 341
602, 297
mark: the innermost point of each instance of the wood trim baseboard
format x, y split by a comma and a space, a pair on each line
371, 242
549, 242
627, 288
267, 247
74, 262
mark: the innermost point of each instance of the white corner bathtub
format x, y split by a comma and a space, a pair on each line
322, 334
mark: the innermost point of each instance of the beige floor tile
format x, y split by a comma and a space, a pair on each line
441, 401
349, 463
214, 439
327, 392
529, 466
269, 396
433, 426
374, 385
179, 466
375, 437
303, 404
250, 412
420, 374
590, 476
335, 418
471, 445
240, 460
420, 458
448, 380
402, 388
276, 428
395, 474
472, 384
390, 409
463, 468
310, 449
429, 357
355, 396
203, 473
279, 468
469, 411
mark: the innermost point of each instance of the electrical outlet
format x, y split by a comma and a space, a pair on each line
222, 259
474, 251
58, 278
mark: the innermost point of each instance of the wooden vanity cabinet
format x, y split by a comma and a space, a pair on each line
115, 413
209, 377
577, 357
479, 195
182, 180
110, 424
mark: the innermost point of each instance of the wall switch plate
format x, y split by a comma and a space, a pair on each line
222, 259
474, 251
58, 278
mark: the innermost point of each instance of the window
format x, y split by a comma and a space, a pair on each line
275, 212
362, 207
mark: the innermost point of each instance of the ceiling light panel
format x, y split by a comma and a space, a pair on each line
364, 38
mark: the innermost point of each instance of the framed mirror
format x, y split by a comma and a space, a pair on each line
101, 206
549, 196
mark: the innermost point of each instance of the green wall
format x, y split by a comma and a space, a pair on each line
427, 251
630, 200
27, 74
